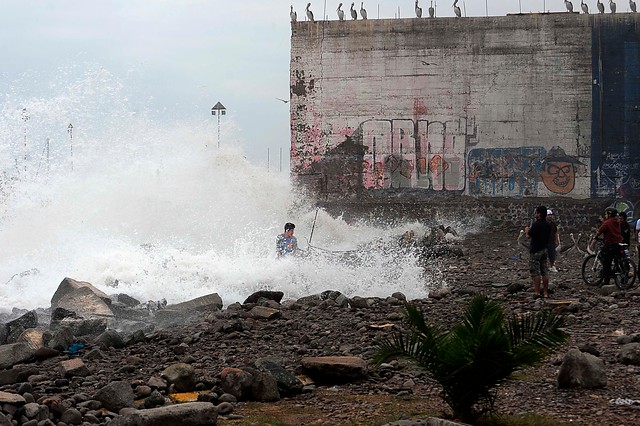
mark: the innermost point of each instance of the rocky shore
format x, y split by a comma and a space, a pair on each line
308, 361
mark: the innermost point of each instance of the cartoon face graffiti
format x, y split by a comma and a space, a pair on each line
559, 171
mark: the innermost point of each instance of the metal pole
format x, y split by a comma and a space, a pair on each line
48, 147
25, 118
218, 129
70, 130
486, 7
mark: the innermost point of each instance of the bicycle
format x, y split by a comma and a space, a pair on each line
622, 268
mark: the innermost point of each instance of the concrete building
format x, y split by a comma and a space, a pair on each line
539, 105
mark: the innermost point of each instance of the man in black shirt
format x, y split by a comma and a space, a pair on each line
539, 234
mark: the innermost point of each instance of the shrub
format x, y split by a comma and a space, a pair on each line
479, 352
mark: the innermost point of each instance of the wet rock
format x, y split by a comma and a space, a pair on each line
264, 294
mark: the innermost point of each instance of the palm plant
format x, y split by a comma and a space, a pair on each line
482, 350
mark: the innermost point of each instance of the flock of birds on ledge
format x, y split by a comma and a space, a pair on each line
432, 12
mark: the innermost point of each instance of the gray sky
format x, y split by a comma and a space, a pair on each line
183, 56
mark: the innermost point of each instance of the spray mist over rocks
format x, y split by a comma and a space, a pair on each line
155, 210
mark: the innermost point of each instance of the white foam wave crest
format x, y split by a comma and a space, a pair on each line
156, 211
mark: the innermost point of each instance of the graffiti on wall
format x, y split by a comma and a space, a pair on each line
509, 172
559, 171
402, 153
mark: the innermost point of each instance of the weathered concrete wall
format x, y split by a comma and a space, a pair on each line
488, 107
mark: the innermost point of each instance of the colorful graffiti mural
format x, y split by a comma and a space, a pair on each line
559, 171
413, 154
509, 172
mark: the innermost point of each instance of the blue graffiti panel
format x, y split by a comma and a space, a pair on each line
505, 172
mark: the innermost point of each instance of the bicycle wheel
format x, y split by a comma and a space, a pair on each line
625, 275
592, 270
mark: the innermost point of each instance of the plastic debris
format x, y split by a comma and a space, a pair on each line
74, 348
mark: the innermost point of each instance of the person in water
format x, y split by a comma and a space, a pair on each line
286, 243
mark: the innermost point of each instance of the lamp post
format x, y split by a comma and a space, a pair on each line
25, 118
70, 131
218, 109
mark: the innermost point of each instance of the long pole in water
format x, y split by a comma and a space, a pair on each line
314, 225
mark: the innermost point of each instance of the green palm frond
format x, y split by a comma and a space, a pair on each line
421, 344
480, 351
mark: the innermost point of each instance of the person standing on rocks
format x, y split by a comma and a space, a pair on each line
554, 242
610, 228
286, 243
539, 233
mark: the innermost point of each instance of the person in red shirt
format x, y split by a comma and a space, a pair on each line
610, 228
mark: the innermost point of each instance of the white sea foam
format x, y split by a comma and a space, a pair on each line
155, 210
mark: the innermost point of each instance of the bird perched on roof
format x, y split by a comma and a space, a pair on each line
354, 14
600, 6
612, 6
569, 6
309, 12
340, 12
363, 11
632, 6
456, 9
293, 14
585, 7
418, 10
432, 11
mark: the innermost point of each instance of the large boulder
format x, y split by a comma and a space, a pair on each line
17, 326
85, 303
187, 414
249, 384
189, 311
69, 285
334, 369
581, 369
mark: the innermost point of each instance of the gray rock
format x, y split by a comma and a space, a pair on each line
19, 325
580, 369
73, 367
115, 396
17, 374
85, 303
264, 294
15, 353
72, 417
182, 376
288, 384
630, 354
334, 369
110, 339
69, 285
187, 414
